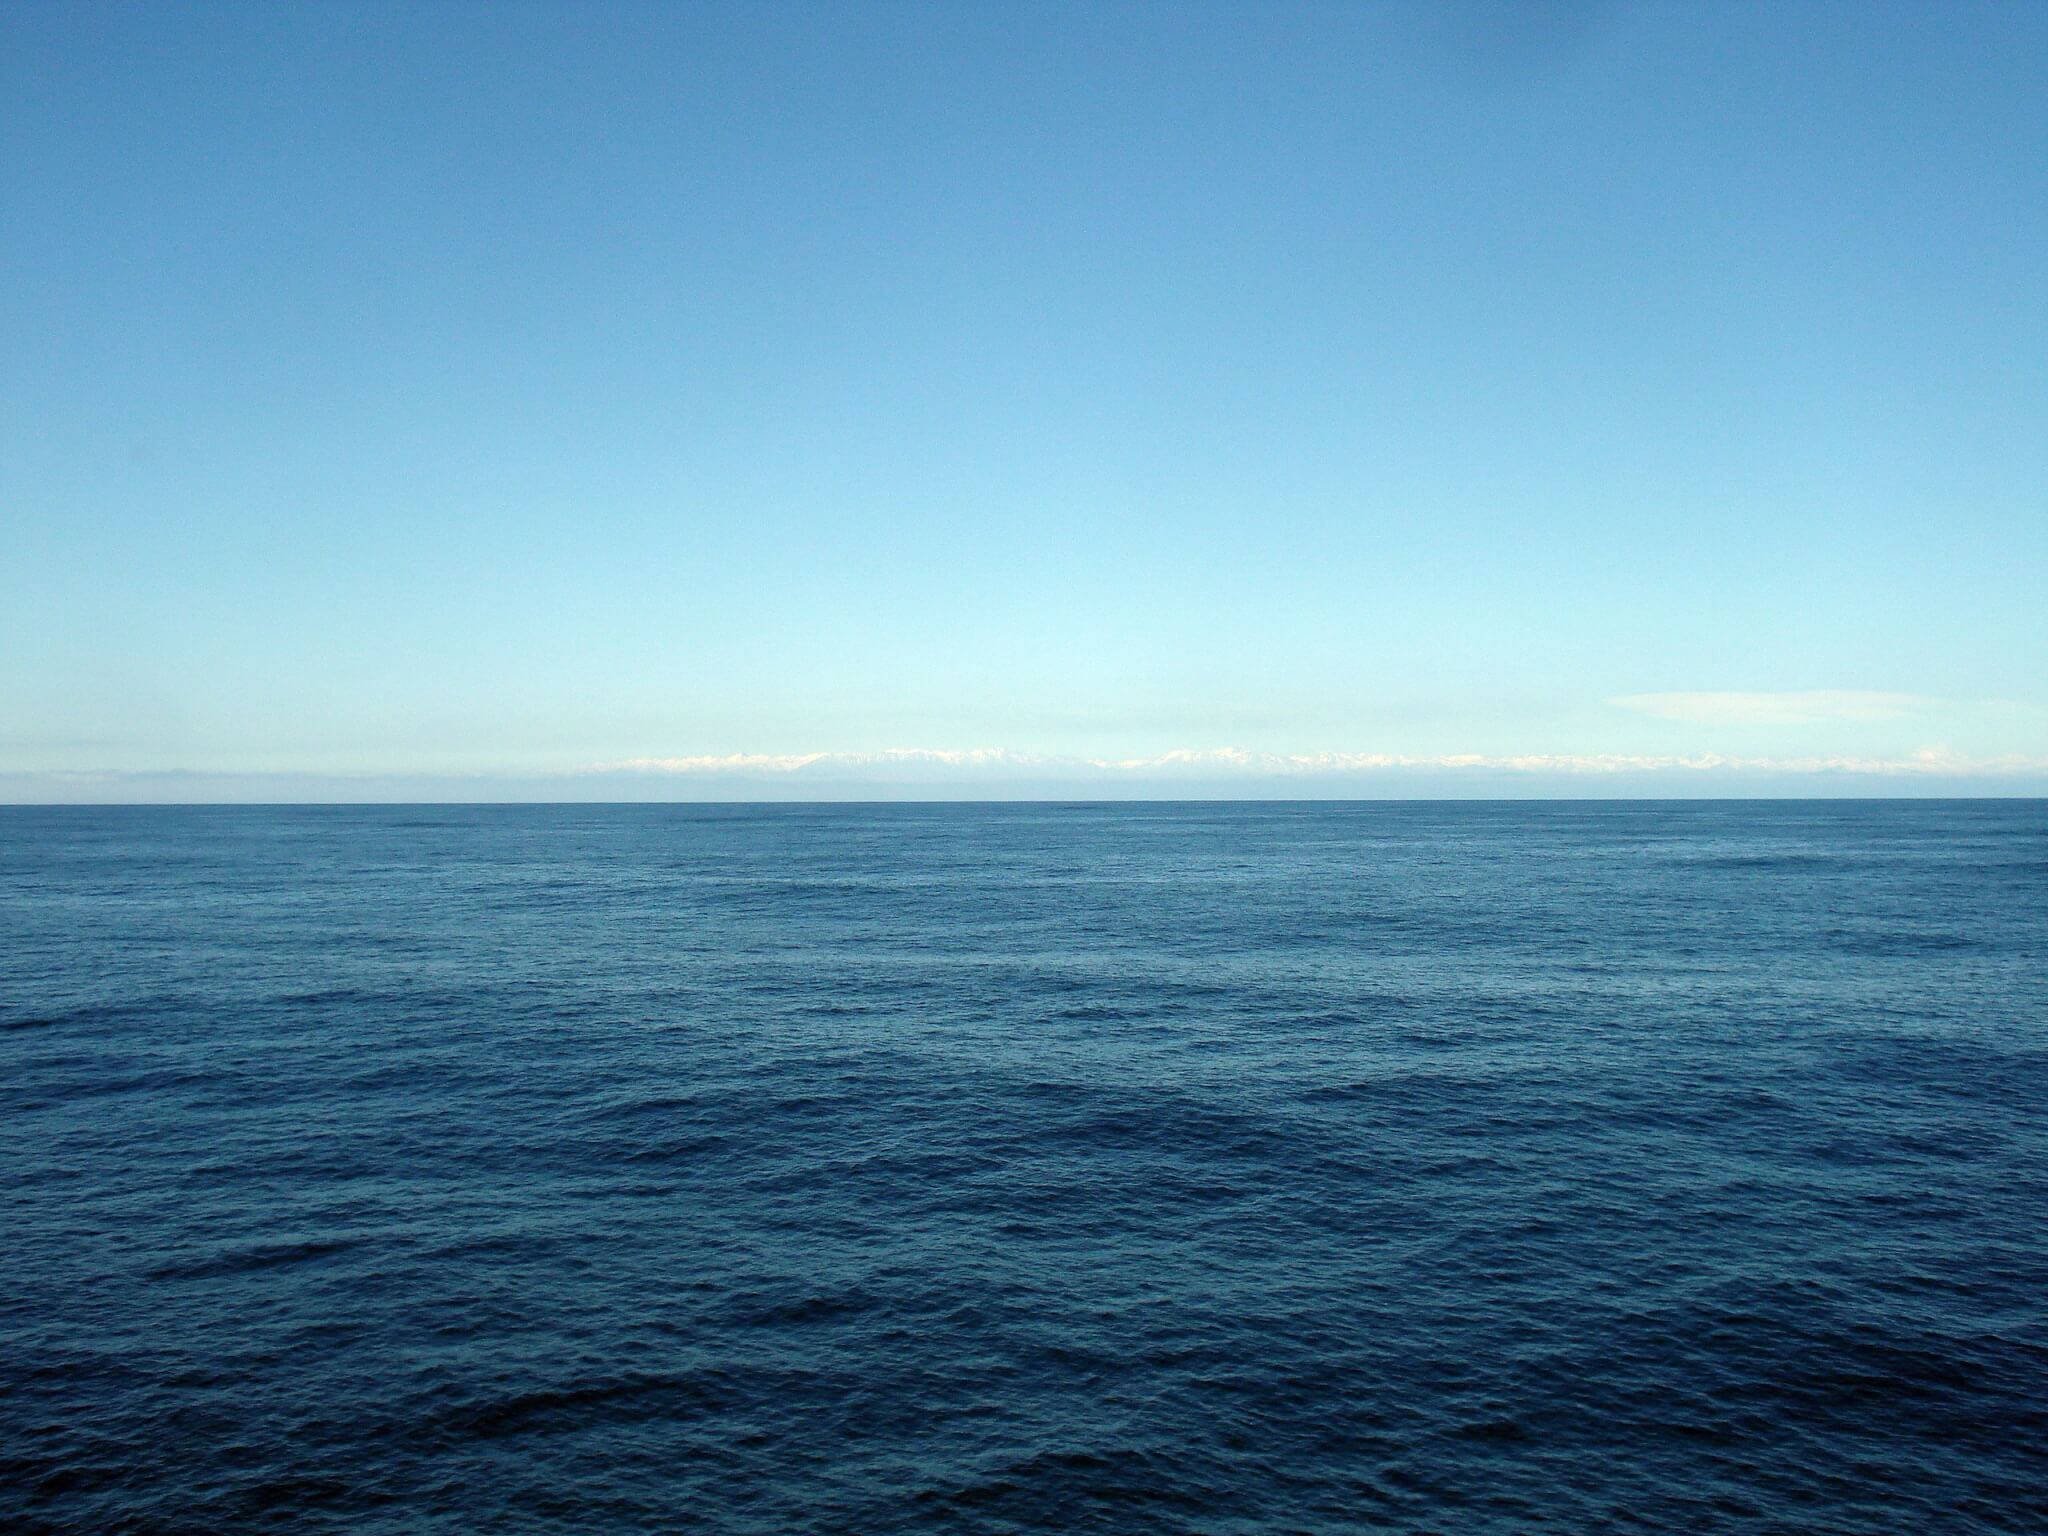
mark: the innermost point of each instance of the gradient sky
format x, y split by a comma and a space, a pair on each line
449, 390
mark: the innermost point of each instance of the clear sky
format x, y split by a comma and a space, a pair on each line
440, 394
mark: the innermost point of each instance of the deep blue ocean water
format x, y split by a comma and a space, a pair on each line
1209, 1168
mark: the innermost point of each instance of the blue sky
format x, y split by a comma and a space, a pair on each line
549, 398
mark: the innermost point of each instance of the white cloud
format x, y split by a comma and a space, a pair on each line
957, 764
890, 758
732, 762
1810, 708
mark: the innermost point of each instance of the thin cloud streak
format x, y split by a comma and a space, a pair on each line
1816, 707
926, 762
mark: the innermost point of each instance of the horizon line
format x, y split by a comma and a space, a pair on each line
8, 807
914, 775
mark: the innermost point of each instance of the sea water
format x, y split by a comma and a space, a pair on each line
1200, 1167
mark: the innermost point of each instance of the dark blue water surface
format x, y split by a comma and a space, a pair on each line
1219, 1168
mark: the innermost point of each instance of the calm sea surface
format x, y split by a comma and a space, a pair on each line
1209, 1168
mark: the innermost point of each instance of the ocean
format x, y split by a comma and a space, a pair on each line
1475, 1168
